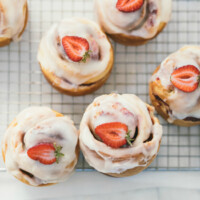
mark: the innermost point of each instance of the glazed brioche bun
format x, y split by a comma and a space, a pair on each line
39, 126
69, 76
157, 93
133, 27
4, 41
99, 127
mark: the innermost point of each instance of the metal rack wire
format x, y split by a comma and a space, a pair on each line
22, 83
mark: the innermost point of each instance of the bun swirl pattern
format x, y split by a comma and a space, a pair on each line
133, 27
144, 131
69, 75
13, 17
178, 100
34, 129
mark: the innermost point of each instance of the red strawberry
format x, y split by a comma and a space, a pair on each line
76, 48
186, 78
45, 153
114, 134
129, 5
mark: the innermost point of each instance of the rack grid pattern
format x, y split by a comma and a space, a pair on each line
23, 85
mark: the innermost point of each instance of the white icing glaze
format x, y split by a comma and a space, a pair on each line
181, 103
40, 125
129, 110
136, 23
12, 18
76, 73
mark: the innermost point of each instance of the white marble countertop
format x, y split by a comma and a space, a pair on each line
93, 185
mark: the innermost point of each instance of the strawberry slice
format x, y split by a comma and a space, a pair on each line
114, 134
186, 78
76, 48
45, 153
129, 5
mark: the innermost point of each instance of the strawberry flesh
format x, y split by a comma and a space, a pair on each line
112, 134
186, 78
44, 153
129, 5
75, 47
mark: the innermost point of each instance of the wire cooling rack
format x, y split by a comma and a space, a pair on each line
23, 85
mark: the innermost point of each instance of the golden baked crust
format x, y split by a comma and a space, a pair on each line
89, 86
4, 41
129, 40
156, 89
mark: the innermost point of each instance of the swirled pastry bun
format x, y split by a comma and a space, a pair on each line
174, 87
119, 135
133, 22
75, 56
40, 147
13, 18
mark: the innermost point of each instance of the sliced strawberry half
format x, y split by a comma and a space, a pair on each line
76, 48
113, 134
129, 5
45, 153
186, 78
